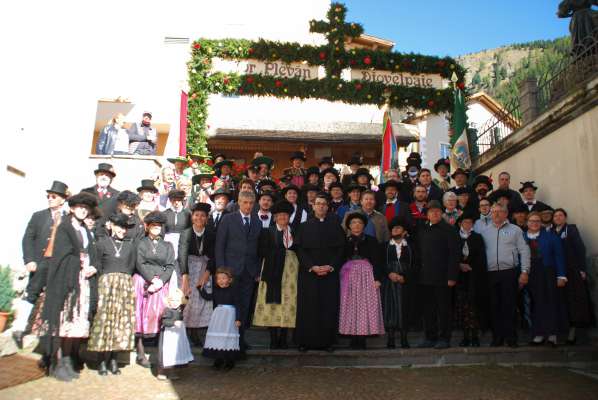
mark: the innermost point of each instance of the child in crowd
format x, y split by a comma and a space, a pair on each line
174, 346
222, 339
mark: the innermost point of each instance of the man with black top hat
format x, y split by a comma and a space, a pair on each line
337, 199
443, 168
482, 185
220, 198
389, 175
363, 178
354, 163
102, 189
504, 181
393, 207
266, 185
296, 170
528, 193
38, 245
143, 137
327, 177
440, 251
312, 176
409, 177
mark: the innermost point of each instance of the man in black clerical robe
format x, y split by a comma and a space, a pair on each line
320, 242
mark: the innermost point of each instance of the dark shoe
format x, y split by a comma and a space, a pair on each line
102, 369
390, 340
218, 364
114, 370
228, 365
404, 341
302, 349
144, 362
60, 372
18, 338
497, 342
442, 344
68, 365
78, 364
44, 363
427, 344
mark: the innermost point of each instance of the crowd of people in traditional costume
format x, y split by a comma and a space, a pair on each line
198, 256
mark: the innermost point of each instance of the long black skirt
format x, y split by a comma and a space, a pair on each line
549, 310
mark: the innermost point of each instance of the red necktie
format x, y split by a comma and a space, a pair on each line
390, 211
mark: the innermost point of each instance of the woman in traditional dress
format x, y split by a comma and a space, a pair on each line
113, 328
71, 291
155, 265
299, 215
579, 304
196, 261
276, 305
178, 218
547, 276
451, 211
361, 276
399, 264
147, 193
472, 289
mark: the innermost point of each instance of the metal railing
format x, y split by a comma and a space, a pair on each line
572, 72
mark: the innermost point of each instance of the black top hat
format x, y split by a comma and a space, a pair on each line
282, 206
83, 199
107, 168
443, 161
298, 154
221, 191
128, 198
460, 171
205, 207
263, 160
121, 220
308, 187
362, 172
330, 170
354, 186
267, 182
355, 160
155, 217
312, 171
399, 221
336, 185
290, 187
482, 179
414, 159
326, 160
222, 163
527, 184
147, 184
391, 183
355, 215
176, 194
59, 188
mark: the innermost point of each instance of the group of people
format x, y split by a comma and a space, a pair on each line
139, 138
311, 256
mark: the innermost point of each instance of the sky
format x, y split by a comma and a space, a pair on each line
457, 27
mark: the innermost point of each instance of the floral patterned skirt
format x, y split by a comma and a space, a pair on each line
113, 327
78, 325
281, 315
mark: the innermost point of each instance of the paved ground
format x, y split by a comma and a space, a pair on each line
488, 383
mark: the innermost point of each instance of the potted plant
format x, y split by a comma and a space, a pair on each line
7, 295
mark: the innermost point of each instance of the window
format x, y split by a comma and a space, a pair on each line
445, 150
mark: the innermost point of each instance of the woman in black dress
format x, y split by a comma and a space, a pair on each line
113, 329
577, 295
291, 194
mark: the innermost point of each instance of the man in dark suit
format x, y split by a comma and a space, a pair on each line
105, 193
528, 191
393, 207
237, 248
37, 244
221, 198
504, 182
425, 179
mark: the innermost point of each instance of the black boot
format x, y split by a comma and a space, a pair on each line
102, 368
113, 365
475, 338
390, 340
466, 342
282, 339
273, 338
404, 341
18, 338
60, 371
